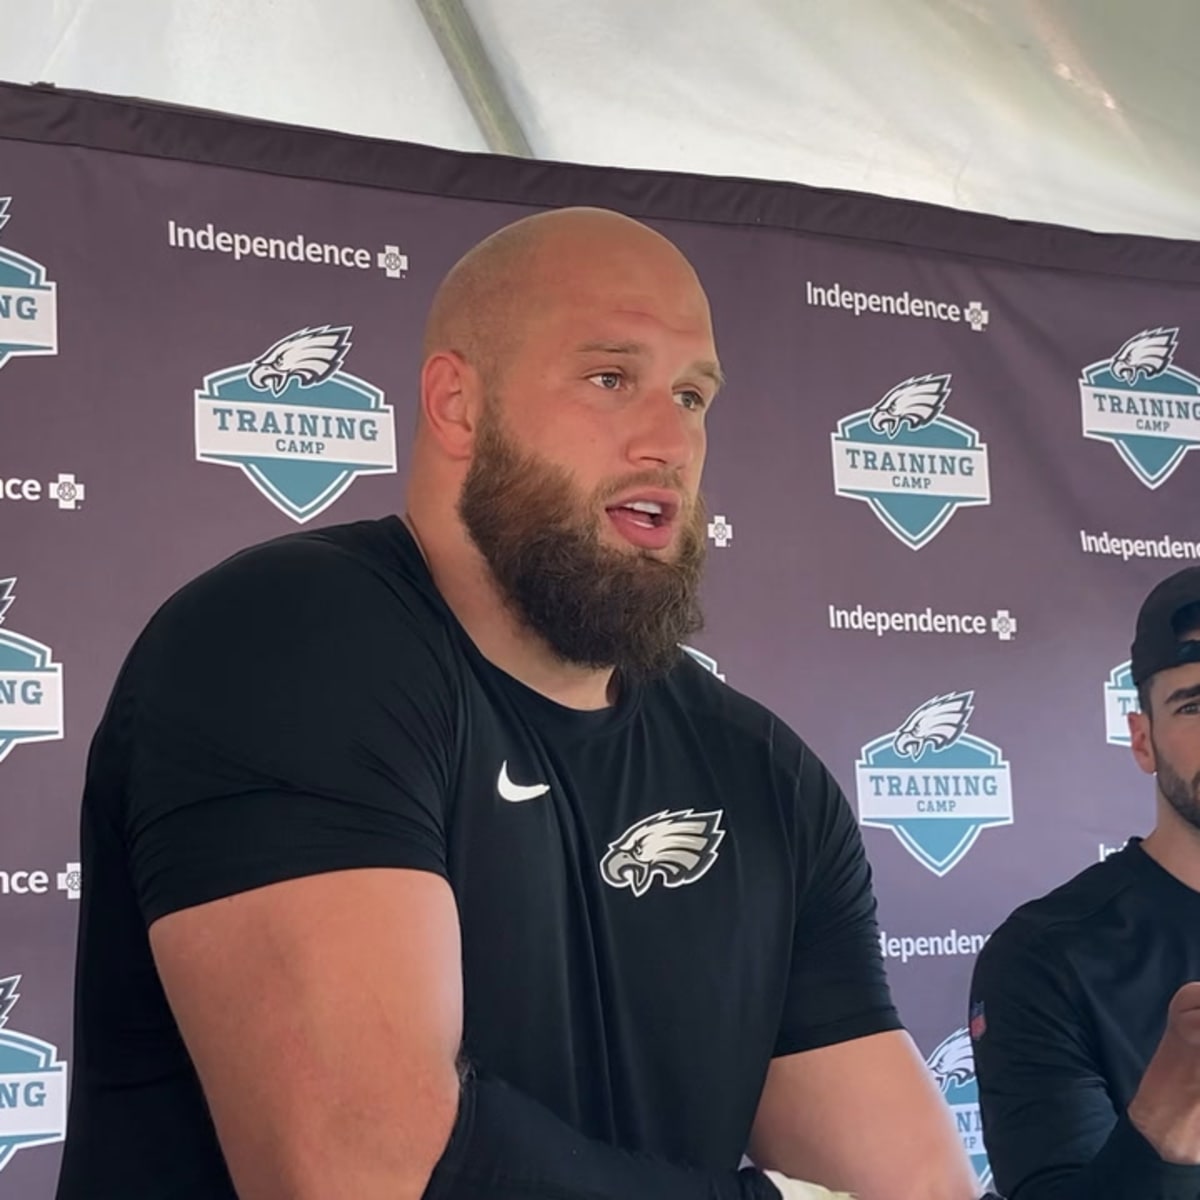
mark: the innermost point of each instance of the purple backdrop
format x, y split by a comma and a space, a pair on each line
951, 459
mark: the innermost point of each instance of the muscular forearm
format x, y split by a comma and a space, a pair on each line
506, 1146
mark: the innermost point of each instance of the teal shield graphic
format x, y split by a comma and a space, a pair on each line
24, 290
1120, 699
953, 1067
301, 486
31, 662
916, 517
1151, 456
33, 1094
923, 801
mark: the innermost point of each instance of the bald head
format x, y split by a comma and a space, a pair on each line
491, 297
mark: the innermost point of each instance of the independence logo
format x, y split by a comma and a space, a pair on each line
33, 1085
935, 786
1120, 699
953, 1067
910, 462
31, 691
295, 423
28, 303
1144, 405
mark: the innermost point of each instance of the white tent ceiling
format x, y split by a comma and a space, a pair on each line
1080, 112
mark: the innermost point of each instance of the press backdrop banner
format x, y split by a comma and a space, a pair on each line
953, 454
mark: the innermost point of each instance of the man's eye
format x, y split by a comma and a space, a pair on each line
693, 401
608, 380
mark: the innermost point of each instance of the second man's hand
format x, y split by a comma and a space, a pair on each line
1166, 1108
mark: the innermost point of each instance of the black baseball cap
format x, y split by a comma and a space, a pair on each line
1157, 644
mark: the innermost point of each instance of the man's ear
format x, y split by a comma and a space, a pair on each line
451, 399
1141, 743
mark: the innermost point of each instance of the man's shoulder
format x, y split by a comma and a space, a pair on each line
358, 558
1075, 914
738, 730
336, 590
695, 688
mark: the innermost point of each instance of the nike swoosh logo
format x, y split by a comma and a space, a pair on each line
518, 791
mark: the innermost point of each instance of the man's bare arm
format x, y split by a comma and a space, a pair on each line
324, 1016
864, 1116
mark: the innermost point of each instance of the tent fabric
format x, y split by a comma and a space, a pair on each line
1074, 112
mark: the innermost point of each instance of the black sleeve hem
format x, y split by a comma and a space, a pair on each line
848, 1029
235, 844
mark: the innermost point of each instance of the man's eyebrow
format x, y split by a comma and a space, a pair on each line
713, 371
706, 367
1183, 693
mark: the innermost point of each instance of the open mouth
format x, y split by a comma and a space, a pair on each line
649, 514
645, 521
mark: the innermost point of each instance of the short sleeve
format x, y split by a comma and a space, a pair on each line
838, 987
289, 713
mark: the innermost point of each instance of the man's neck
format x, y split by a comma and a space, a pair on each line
466, 585
1175, 846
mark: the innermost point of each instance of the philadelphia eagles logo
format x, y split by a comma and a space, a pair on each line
937, 723
916, 402
953, 1062
1148, 353
674, 847
309, 356
6, 595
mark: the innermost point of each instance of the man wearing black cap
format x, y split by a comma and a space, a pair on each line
1085, 1008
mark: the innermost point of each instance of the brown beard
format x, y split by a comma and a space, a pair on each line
1183, 796
594, 605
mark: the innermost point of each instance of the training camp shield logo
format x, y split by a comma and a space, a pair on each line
31, 687
910, 462
1120, 699
674, 848
952, 1065
1147, 407
33, 1085
28, 302
935, 786
299, 426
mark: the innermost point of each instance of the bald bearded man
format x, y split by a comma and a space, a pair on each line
473, 885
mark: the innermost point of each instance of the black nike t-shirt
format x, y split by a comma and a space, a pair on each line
1069, 1002
655, 898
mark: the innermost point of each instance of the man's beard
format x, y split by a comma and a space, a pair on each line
1183, 796
594, 605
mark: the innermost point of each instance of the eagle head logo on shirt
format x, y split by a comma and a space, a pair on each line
676, 848
934, 725
308, 356
916, 402
1148, 353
